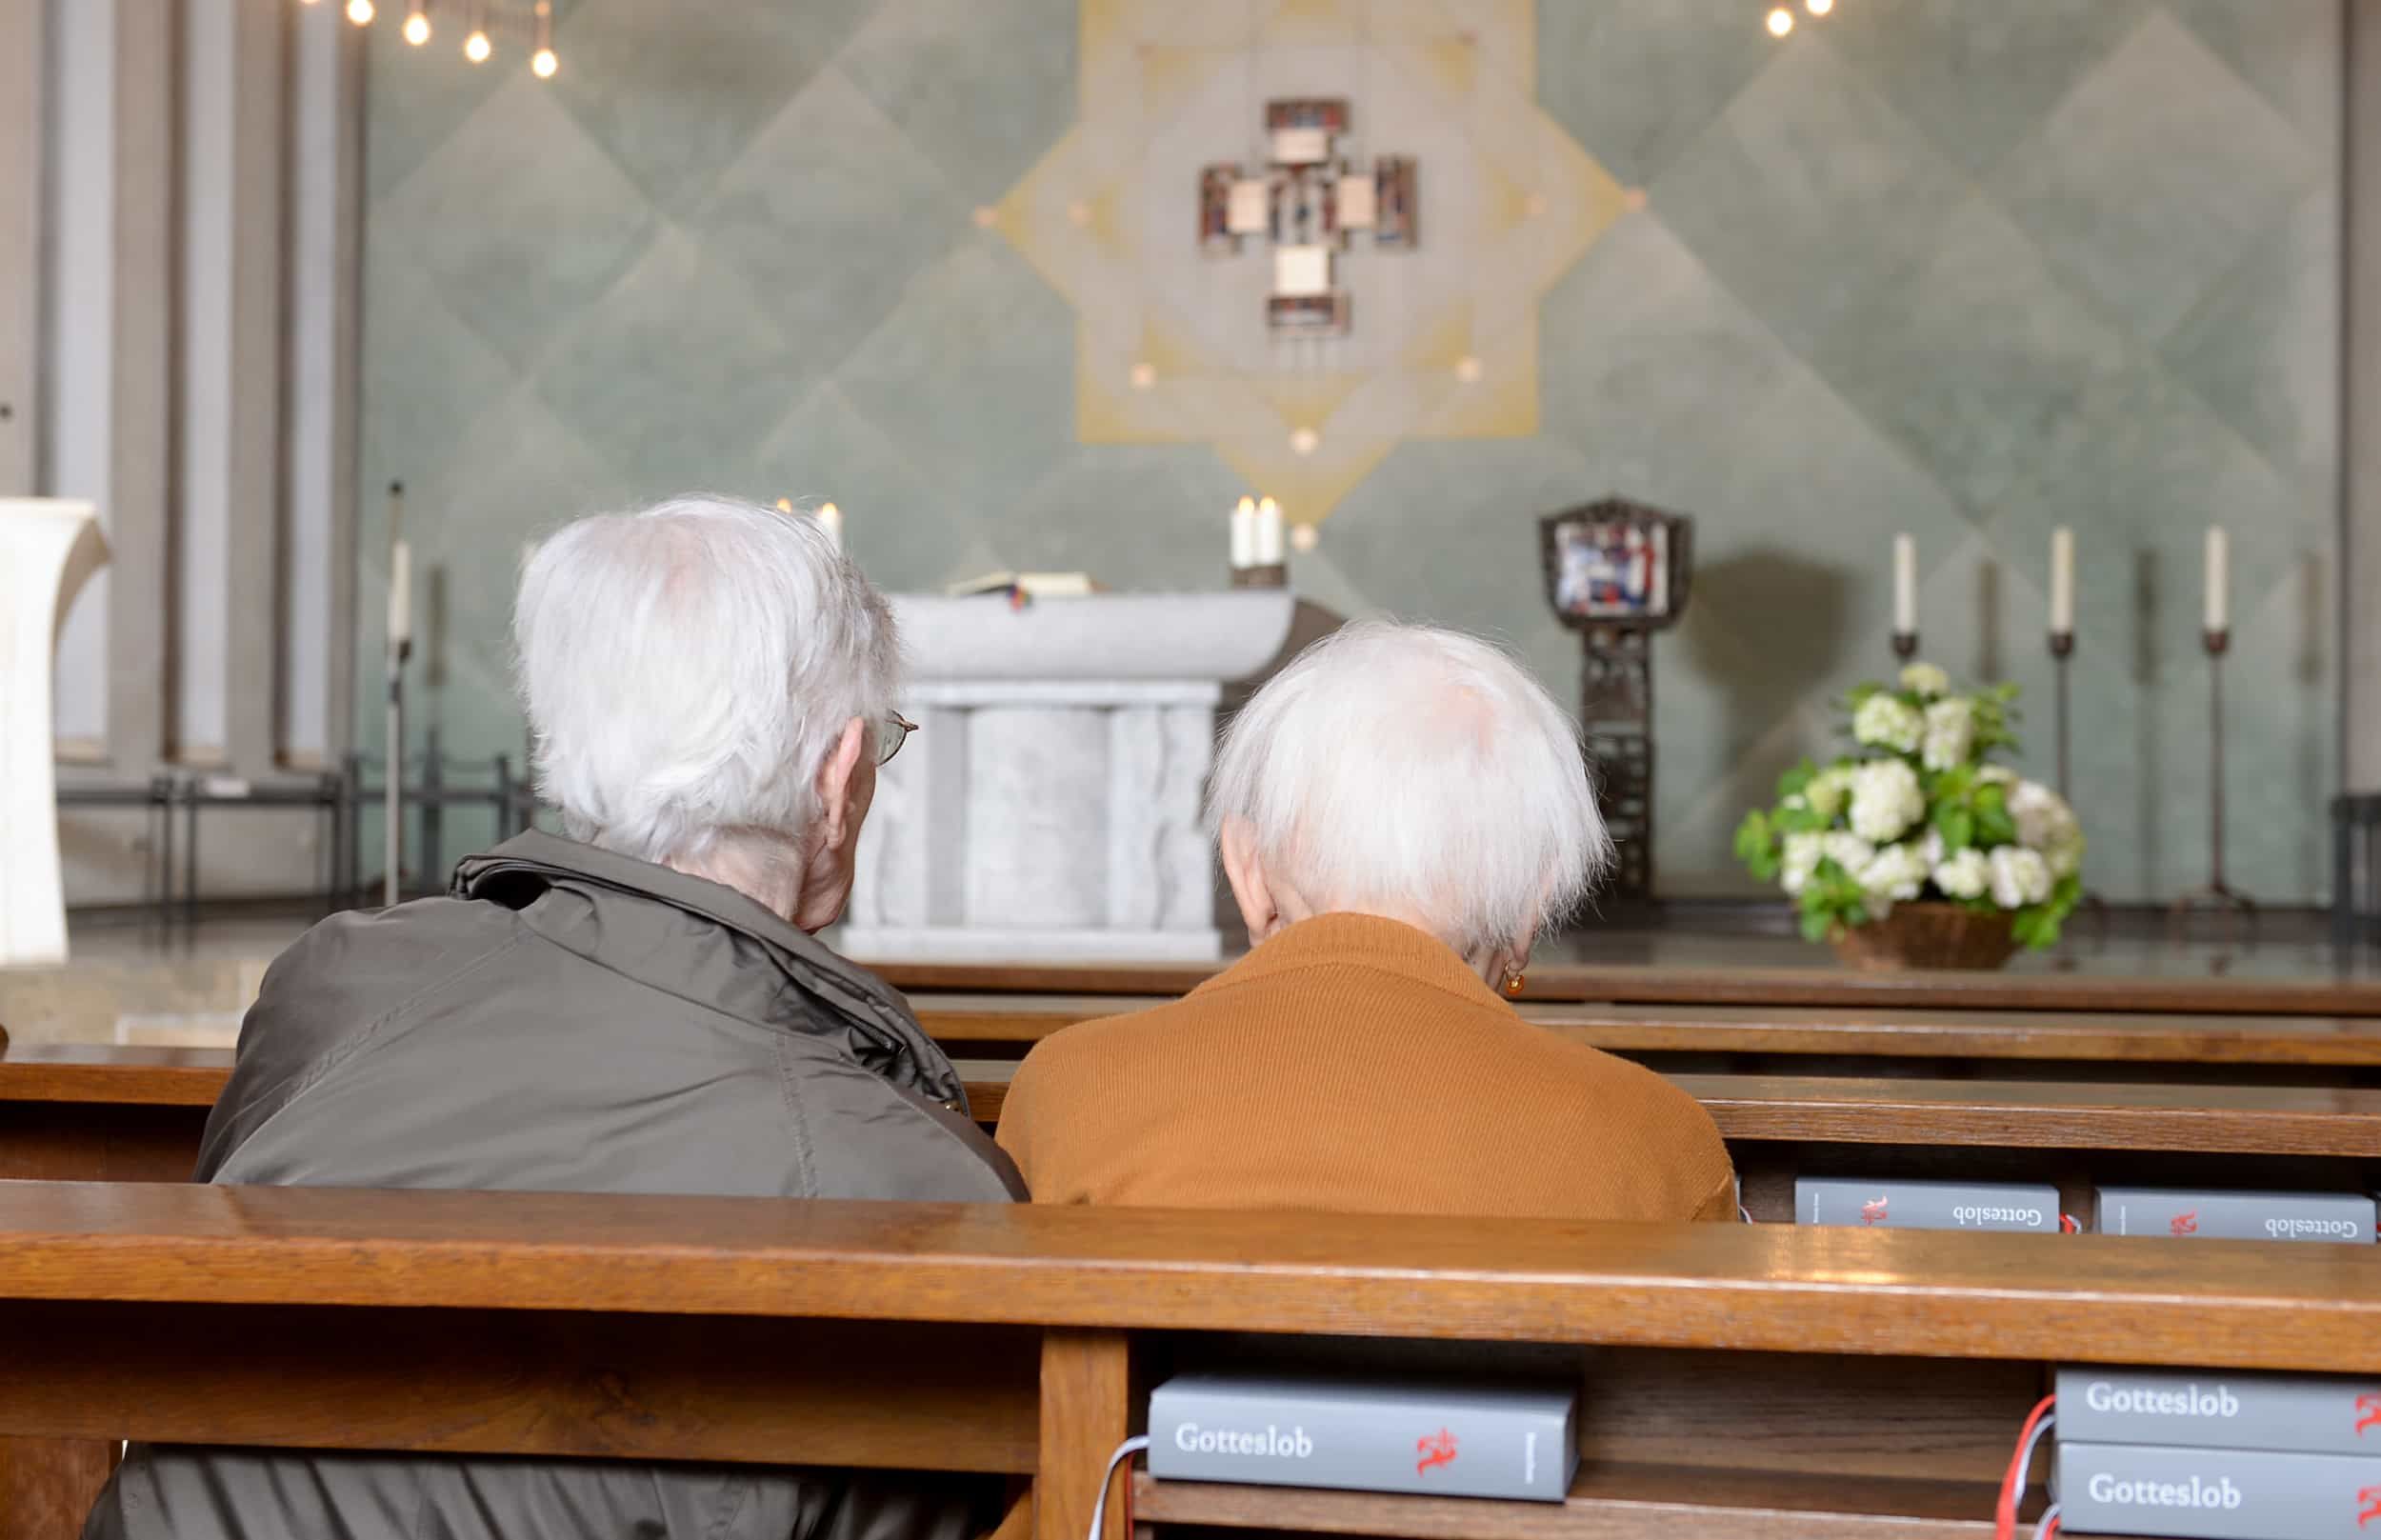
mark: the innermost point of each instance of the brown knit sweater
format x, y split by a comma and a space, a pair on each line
1357, 1063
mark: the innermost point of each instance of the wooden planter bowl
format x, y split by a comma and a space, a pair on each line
1928, 936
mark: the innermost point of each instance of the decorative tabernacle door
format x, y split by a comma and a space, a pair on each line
1617, 572
1049, 806
47, 548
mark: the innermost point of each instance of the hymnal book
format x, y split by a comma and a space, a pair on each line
2237, 1216
2214, 1495
1458, 1440
1831, 1200
2302, 1413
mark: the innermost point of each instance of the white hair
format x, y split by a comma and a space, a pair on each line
1407, 769
687, 669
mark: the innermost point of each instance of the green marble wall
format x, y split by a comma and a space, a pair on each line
1969, 271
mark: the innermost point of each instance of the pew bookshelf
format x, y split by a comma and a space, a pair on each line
88, 1113
1761, 1381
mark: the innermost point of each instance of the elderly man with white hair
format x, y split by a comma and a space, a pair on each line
1401, 813
637, 1007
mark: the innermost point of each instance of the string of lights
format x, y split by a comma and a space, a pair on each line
484, 23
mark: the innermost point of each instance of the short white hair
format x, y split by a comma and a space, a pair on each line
1414, 770
687, 669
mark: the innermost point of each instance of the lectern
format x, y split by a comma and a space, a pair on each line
49, 549
1617, 572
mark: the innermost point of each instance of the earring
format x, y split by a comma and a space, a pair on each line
1512, 985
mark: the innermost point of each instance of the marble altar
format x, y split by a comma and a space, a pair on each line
49, 548
1049, 806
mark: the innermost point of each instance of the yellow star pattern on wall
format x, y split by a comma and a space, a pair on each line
1172, 343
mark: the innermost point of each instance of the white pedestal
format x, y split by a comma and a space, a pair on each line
47, 549
1047, 809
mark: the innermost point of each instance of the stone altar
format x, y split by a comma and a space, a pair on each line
49, 548
1049, 806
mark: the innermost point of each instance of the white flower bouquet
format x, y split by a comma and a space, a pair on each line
1919, 813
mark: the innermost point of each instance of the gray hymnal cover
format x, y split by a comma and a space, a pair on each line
2303, 1413
1899, 1205
2237, 1216
2214, 1495
1367, 1436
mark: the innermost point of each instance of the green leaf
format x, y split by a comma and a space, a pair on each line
1956, 825
1795, 779
1756, 847
1816, 924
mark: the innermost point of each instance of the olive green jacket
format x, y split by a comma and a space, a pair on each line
571, 1020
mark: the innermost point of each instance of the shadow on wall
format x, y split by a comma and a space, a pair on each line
2148, 757
1761, 620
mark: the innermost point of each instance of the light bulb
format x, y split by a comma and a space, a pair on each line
360, 12
417, 28
543, 64
475, 47
1781, 22
1818, 8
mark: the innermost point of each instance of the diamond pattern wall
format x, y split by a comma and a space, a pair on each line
1965, 271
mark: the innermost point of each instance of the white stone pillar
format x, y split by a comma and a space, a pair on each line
1048, 808
49, 546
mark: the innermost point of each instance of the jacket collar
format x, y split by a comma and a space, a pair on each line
828, 993
1341, 940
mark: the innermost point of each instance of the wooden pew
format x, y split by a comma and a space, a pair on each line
1760, 1381
2186, 991
2281, 1049
135, 1114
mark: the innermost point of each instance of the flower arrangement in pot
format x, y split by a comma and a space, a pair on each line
1916, 850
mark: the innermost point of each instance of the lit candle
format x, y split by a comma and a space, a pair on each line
831, 520
2062, 582
1244, 535
1905, 586
1268, 533
400, 594
2219, 580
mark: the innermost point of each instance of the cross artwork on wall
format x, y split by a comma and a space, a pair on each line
1307, 205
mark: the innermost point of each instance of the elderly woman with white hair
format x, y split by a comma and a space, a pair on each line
1401, 813
637, 1007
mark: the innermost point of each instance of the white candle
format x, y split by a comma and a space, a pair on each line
831, 520
1905, 586
2219, 580
2062, 582
1244, 535
1268, 532
400, 594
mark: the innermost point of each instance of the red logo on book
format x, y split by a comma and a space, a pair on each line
2186, 1223
2368, 1506
1873, 1211
2070, 1225
2368, 1412
1433, 1448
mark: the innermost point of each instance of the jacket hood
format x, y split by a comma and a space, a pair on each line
812, 991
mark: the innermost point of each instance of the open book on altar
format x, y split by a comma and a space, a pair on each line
1033, 585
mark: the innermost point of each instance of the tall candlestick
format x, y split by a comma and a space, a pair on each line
1905, 585
1244, 535
1269, 533
400, 594
2218, 616
831, 520
2062, 582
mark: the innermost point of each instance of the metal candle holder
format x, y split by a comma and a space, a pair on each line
2218, 894
392, 833
2062, 654
1905, 645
